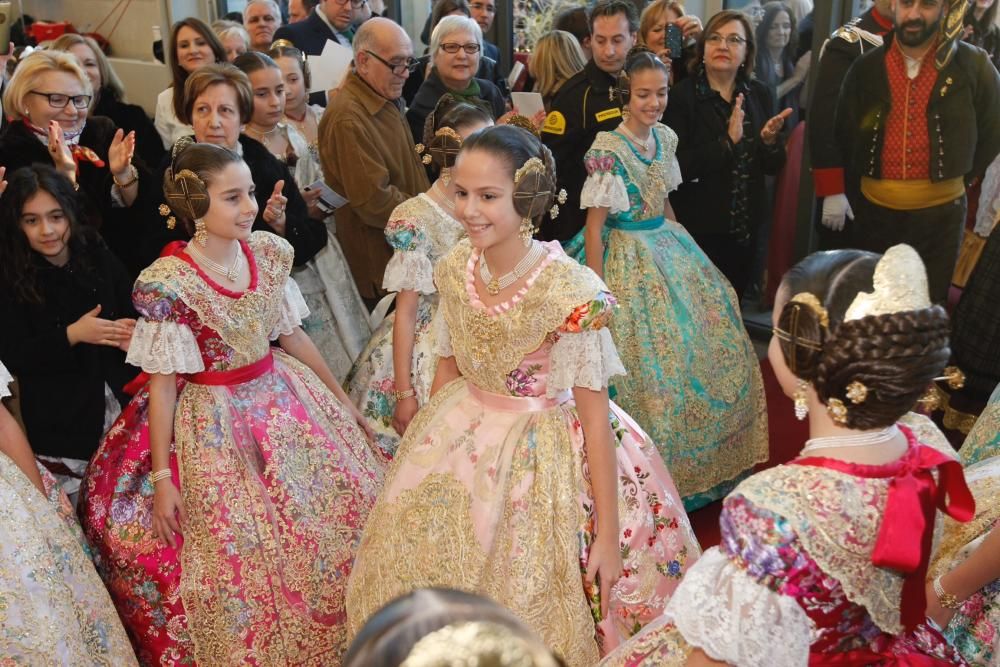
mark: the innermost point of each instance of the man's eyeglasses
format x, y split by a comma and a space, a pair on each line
452, 47
59, 101
409, 65
732, 41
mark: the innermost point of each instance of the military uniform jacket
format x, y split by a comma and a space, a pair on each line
962, 116
844, 46
585, 105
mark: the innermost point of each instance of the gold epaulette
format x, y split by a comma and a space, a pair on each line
852, 34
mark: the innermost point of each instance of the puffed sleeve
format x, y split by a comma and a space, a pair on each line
162, 341
730, 602
672, 176
604, 187
293, 310
584, 354
5, 380
410, 266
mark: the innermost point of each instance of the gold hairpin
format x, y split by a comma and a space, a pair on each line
533, 165
837, 410
953, 376
788, 338
809, 299
857, 392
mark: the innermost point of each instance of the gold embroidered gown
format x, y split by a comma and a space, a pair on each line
490, 492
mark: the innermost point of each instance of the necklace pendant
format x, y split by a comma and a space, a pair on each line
493, 287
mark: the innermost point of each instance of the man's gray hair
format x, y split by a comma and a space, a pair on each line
366, 38
449, 25
271, 4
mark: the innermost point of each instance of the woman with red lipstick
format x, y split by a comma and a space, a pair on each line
693, 380
728, 139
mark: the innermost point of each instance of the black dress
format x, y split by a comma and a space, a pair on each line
62, 386
132, 118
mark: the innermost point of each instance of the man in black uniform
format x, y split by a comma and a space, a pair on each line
585, 105
862, 34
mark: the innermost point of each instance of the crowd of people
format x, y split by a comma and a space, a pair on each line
394, 374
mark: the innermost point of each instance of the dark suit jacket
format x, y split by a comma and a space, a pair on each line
310, 35
491, 50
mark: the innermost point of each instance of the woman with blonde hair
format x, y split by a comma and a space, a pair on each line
653, 24
109, 96
557, 57
234, 37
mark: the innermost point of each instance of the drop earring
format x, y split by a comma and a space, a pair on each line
200, 233
446, 175
625, 114
801, 405
527, 231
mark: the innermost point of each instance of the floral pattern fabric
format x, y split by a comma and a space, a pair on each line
693, 382
492, 485
275, 476
420, 232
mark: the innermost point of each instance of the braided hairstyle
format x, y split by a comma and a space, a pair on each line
535, 191
639, 59
455, 114
186, 181
895, 355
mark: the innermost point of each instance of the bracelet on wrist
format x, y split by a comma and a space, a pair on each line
947, 600
406, 393
134, 178
159, 475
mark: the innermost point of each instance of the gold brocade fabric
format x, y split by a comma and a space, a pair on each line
836, 517
983, 441
488, 347
659, 644
984, 482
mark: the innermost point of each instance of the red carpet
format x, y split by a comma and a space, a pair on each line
787, 435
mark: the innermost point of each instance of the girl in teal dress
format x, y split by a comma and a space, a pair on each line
693, 381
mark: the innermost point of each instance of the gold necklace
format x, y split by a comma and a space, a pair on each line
263, 136
646, 145
449, 204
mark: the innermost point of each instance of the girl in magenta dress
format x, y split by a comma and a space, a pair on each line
228, 500
823, 561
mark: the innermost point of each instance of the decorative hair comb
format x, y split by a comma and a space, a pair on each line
900, 283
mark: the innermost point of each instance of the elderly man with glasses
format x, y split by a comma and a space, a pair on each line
366, 149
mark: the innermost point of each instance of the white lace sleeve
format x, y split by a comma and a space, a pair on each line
586, 359
293, 310
604, 190
5, 380
164, 347
989, 200
673, 176
409, 269
442, 337
736, 620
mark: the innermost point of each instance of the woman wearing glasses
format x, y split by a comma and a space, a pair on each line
727, 141
47, 102
456, 45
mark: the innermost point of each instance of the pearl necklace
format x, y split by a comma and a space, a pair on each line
232, 273
449, 204
495, 285
849, 441
264, 136
646, 145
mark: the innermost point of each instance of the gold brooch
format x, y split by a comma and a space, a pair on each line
837, 410
857, 392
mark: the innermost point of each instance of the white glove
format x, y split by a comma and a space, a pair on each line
835, 208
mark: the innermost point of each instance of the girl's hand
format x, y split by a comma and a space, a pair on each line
98, 331
62, 156
274, 210
935, 611
366, 428
312, 200
604, 562
120, 155
168, 512
405, 410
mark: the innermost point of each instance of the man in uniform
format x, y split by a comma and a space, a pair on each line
916, 119
585, 105
864, 33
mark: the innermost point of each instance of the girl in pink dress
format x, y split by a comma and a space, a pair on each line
228, 500
519, 480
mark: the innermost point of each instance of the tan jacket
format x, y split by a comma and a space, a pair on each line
367, 153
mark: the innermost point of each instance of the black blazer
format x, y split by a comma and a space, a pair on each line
433, 89
309, 35
123, 229
306, 235
62, 387
489, 69
131, 117
703, 201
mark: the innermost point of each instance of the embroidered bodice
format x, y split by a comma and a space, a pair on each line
633, 187
188, 323
553, 338
420, 233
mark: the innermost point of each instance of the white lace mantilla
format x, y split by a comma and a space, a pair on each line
409, 270
605, 190
586, 359
164, 347
293, 311
5, 379
736, 620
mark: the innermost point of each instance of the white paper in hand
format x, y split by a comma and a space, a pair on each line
329, 199
528, 104
515, 74
329, 68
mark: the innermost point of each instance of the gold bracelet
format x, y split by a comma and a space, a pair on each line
127, 184
159, 475
947, 600
406, 393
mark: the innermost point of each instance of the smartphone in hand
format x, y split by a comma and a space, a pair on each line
674, 40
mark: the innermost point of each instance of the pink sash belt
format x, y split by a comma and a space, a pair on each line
517, 403
233, 375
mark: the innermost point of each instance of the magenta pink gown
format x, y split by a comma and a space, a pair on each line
276, 477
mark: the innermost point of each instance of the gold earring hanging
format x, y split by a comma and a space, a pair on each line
801, 404
527, 231
625, 114
446, 175
200, 233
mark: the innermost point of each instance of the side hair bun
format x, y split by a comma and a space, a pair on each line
534, 185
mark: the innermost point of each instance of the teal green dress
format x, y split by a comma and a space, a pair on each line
983, 441
693, 381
